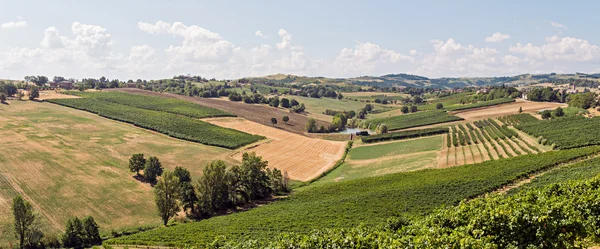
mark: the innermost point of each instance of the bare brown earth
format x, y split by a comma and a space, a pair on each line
468, 154
303, 158
261, 114
460, 155
442, 159
55, 95
506, 109
484, 154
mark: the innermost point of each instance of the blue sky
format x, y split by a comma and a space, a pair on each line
152, 39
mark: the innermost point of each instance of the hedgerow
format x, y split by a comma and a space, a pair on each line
174, 125
481, 104
415, 119
403, 135
370, 201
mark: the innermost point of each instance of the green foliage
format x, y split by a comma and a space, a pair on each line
90, 233
404, 109
546, 114
582, 100
2, 97
558, 216
213, 190
72, 238
23, 220
567, 132
153, 169
367, 200
439, 106
480, 104
161, 104
34, 92
516, 119
416, 119
311, 125
404, 135
166, 195
174, 125
137, 162
559, 112
273, 121
285, 119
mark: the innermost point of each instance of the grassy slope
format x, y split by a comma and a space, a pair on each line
396, 148
367, 200
73, 162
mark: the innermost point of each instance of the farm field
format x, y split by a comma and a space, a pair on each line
311, 206
261, 114
369, 160
303, 158
52, 154
506, 109
315, 107
415, 120
567, 132
174, 125
484, 140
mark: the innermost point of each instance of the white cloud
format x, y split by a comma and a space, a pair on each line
286, 41
559, 49
497, 37
558, 25
14, 24
260, 34
366, 58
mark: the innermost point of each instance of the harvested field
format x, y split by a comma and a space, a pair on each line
261, 114
52, 154
506, 109
55, 95
303, 158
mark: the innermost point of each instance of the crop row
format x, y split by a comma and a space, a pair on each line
567, 132
404, 135
174, 125
515, 119
480, 104
369, 201
415, 119
170, 105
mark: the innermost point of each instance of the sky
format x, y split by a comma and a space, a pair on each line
233, 39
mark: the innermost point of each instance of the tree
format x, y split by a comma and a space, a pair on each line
285, 103
294, 103
137, 163
2, 97
520, 109
559, 112
439, 106
340, 96
413, 108
311, 125
285, 119
273, 121
153, 169
91, 233
72, 237
58, 79
187, 193
254, 177
166, 193
24, 218
213, 188
382, 129
404, 109
546, 114
34, 92
274, 102
582, 100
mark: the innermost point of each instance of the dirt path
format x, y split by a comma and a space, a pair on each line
460, 156
442, 159
469, 159
451, 157
261, 114
303, 158
484, 154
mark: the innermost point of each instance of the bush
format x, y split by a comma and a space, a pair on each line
439, 106
546, 114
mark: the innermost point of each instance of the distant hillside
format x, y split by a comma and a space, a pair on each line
409, 80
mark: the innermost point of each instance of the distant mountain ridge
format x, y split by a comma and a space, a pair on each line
409, 80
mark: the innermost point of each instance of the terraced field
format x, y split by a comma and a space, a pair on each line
484, 140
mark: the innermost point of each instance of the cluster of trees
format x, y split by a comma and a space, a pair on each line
582, 100
102, 82
413, 108
218, 189
495, 92
349, 114
152, 167
321, 91
547, 94
78, 233
9, 89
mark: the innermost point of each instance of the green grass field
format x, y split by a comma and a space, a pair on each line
70, 162
370, 201
396, 148
316, 107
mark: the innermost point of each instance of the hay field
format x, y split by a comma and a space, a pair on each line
303, 158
